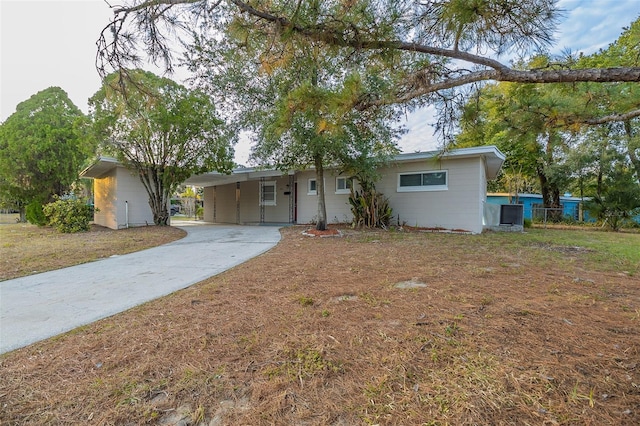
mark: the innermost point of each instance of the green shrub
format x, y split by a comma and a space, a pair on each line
34, 213
370, 208
69, 215
619, 202
527, 223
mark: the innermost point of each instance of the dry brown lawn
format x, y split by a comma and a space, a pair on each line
27, 249
498, 329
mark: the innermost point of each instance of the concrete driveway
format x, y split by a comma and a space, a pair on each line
40, 306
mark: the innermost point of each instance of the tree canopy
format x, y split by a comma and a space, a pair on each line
296, 97
429, 48
385, 57
161, 130
569, 137
43, 146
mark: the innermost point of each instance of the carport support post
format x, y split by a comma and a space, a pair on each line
215, 202
262, 199
237, 203
291, 198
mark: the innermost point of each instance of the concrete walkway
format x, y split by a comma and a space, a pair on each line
40, 306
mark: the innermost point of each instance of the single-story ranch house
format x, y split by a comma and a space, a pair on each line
436, 189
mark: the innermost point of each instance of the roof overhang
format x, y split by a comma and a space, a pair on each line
493, 157
237, 175
100, 168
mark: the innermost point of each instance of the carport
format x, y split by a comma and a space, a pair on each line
248, 196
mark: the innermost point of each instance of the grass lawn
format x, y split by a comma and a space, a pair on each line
27, 249
534, 328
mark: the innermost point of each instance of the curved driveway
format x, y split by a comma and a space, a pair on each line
40, 306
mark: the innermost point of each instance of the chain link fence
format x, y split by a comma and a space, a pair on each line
572, 213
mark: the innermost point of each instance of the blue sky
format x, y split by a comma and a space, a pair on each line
52, 43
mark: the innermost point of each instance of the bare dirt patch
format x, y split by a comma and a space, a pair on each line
27, 249
314, 332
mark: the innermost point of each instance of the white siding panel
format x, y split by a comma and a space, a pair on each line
208, 203
338, 210
307, 204
249, 197
482, 191
131, 192
104, 198
226, 203
338, 207
280, 212
111, 194
454, 208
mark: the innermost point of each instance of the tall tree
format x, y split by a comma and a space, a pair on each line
603, 103
162, 131
586, 115
620, 199
445, 44
297, 98
522, 120
429, 53
43, 146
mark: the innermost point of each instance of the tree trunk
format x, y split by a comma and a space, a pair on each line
631, 149
600, 176
151, 178
158, 203
545, 188
321, 223
550, 195
550, 190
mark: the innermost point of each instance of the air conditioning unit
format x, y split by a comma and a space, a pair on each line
512, 214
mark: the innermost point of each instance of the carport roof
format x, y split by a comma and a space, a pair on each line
492, 155
238, 175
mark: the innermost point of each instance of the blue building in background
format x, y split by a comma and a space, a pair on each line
533, 206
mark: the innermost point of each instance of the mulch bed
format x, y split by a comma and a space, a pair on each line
329, 232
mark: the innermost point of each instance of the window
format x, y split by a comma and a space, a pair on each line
311, 187
343, 185
423, 181
268, 194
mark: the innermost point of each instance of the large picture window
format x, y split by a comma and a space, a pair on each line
423, 181
268, 194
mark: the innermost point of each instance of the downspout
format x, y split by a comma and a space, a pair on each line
126, 214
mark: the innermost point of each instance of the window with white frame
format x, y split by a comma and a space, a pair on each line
311, 187
343, 185
268, 193
423, 181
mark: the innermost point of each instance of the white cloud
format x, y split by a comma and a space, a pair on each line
420, 136
590, 25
